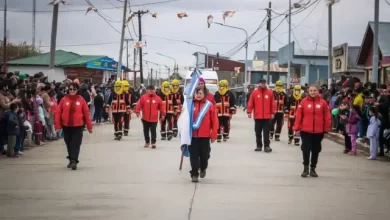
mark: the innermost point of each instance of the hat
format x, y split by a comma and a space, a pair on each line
39, 100
262, 81
201, 80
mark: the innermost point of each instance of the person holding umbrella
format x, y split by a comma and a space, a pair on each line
73, 115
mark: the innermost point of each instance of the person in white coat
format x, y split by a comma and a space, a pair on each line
373, 133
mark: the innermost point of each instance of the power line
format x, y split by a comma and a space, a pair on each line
83, 10
387, 1
304, 19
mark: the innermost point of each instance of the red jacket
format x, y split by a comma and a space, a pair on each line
262, 103
209, 126
313, 116
73, 112
210, 97
150, 104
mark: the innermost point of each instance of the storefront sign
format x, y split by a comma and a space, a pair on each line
104, 63
340, 58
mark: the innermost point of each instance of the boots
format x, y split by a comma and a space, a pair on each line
73, 165
313, 172
267, 149
305, 172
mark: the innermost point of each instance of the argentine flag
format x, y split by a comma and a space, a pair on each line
185, 121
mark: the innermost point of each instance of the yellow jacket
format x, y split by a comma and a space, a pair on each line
359, 100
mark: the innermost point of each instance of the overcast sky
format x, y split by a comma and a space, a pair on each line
350, 19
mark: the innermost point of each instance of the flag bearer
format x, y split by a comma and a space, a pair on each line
225, 106
280, 100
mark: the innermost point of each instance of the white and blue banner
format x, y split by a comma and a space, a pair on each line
185, 122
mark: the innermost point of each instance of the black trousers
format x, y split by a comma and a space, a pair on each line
168, 120
118, 125
291, 135
279, 121
311, 144
150, 127
73, 137
262, 128
98, 113
126, 121
347, 140
224, 122
199, 155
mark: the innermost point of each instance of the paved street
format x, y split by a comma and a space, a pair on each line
122, 180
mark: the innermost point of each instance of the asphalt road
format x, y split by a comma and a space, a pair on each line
121, 180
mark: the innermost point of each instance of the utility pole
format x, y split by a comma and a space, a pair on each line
375, 57
53, 41
330, 49
289, 46
135, 72
269, 41
33, 23
5, 38
119, 70
127, 53
139, 14
151, 76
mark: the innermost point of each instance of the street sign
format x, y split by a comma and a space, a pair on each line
295, 79
340, 58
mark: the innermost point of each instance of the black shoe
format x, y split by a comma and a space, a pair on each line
277, 139
345, 151
267, 149
297, 144
73, 165
154, 146
225, 139
259, 149
271, 137
195, 179
69, 165
289, 141
381, 154
203, 174
169, 137
305, 172
313, 172
126, 134
218, 140
174, 134
163, 138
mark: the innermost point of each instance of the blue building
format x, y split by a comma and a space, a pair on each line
310, 66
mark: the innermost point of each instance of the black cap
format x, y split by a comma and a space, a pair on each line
262, 81
151, 87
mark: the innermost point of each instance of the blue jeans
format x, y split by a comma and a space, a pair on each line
19, 146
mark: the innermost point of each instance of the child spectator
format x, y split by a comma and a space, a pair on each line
12, 128
373, 133
344, 115
352, 128
40, 124
98, 103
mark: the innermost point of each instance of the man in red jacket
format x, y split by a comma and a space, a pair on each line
150, 105
261, 103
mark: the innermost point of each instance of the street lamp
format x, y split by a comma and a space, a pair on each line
296, 5
207, 52
169, 58
246, 52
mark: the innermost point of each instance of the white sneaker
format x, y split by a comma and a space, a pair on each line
20, 152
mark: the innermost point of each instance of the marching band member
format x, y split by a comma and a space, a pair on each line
226, 107
291, 108
119, 105
280, 100
169, 104
131, 97
179, 97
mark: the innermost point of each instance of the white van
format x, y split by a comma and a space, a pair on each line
210, 77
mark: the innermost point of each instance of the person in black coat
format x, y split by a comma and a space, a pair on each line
12, 128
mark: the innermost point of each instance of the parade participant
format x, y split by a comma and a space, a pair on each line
72, 116
205, 131
129, 95
312, 120
119, 105
169, 104
226, 107
202, 85
261, 103
291, 108
179, 98
150, 104
280, 100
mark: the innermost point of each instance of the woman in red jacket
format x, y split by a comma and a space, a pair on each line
72, 115
205, 130
150, 104
312, 120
